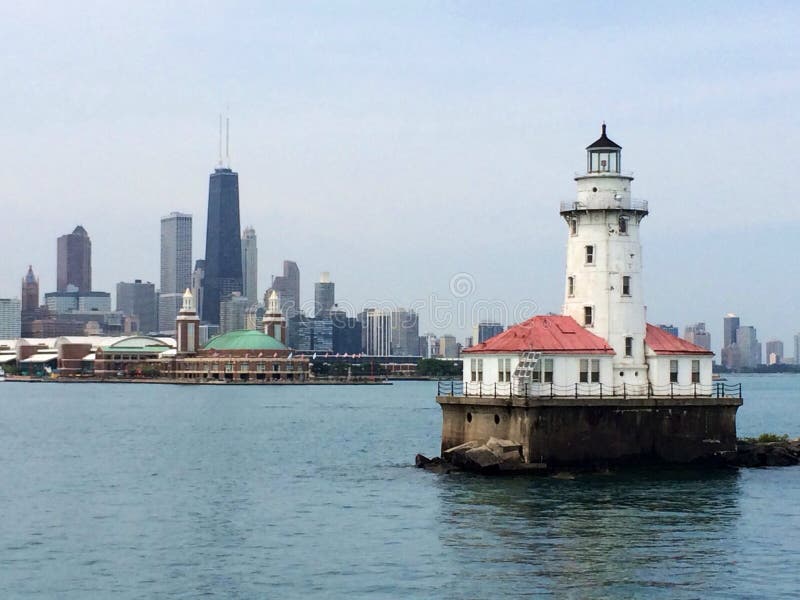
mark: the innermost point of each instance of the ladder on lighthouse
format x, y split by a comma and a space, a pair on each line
523, 373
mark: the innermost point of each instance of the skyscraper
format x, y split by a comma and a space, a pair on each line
74, 266
697, 334
30, 302
139, 299
448, 346
250, 265
405, 333
169, 305
233, 312
324, 296
311, 334
670, 329
10, 318
729, 326
346, 333
223, 269
485, 330
774, 351
428, 345
731, 353
30, 292
176, 253
749, 346
197, 285
288, 288
376, 332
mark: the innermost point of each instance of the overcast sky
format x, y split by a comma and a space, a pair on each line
398, 145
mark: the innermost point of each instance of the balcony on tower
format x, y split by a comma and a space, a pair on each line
616, 202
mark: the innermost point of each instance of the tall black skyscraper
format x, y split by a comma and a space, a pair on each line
223, 269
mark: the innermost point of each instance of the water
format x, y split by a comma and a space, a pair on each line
145, 491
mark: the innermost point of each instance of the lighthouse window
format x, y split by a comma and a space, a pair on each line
673, 371
547, 370
503, 369
628, 346
573, 226
623, 225
626, 285
476, 369
589, 255
570, 286
590, 370
695, 371
588, 316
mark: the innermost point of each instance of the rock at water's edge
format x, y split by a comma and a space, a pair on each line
493, 455
505, 456
766, 454
437, 465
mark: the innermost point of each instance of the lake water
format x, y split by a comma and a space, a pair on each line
149, 491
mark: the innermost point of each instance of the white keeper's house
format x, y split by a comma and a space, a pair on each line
601, 344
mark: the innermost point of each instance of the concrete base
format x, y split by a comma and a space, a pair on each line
591, 430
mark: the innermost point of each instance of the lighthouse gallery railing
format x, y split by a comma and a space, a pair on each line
625, 204
594, 390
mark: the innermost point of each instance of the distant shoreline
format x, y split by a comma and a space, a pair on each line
166, 381
761, 370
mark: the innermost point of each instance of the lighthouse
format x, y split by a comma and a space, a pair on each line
603, 283
596, 383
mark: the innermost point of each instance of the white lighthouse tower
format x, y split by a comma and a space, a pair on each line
603, 288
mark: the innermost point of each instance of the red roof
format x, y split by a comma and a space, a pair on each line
553, 334
661, 342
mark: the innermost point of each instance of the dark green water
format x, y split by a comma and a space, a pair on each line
138, 491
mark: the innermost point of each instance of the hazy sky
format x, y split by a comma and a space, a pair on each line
397, 145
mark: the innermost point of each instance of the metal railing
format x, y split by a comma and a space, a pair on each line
586, 389
625, 204
603, 173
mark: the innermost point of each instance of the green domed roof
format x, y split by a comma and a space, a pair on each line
244, 339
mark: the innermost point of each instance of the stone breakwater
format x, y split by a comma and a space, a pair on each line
751, 453
497, 456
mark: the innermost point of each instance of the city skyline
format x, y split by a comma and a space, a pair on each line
291, 279
505, 144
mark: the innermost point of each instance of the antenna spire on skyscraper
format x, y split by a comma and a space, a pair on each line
220, 140
227, 141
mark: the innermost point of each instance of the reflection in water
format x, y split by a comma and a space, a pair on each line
595, 534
